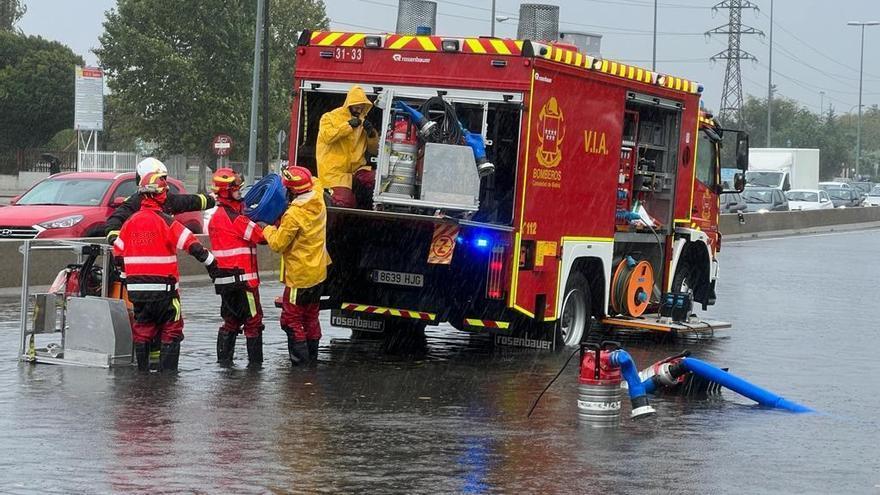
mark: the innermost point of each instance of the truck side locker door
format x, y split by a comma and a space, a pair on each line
570, 170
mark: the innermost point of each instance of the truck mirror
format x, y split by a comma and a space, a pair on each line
739, 184
742, 150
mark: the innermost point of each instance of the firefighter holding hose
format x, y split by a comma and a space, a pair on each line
234, 239
148, 243
301, 238
344, 135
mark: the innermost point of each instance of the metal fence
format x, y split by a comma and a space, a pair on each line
107, 161
36, 160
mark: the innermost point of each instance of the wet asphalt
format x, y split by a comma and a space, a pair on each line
452, 419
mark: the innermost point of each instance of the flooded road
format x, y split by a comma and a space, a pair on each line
454, 419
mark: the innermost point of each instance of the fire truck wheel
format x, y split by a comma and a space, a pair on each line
574, 320
685, 278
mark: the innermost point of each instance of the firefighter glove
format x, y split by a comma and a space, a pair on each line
111, 237
368, 128
354, 122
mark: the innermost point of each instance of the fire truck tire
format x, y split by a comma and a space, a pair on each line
575, 318
686, 277
404, 336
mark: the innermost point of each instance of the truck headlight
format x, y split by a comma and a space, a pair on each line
63, 222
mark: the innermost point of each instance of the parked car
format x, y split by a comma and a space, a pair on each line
844, 198
75, 204
732, 202
864, 187
764, 199
835, 185
809, 199
873, 197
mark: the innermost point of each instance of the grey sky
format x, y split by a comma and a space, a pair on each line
814, 49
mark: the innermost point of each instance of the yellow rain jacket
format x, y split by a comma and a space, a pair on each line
340, 148
301, 240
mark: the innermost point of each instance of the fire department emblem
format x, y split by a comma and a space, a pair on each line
551, 131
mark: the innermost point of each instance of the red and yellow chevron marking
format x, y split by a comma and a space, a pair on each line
493, 46
475, 322
378, 310
409, 42
329, 38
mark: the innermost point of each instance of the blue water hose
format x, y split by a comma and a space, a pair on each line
726, 380
637, 394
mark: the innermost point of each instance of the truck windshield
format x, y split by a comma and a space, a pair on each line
764, 179
760, 196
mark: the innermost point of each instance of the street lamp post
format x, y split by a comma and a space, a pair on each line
861, 24
492, 33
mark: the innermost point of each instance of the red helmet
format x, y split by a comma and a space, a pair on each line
226, 182
153, 183
297, 179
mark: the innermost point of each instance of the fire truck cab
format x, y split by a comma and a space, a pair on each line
602, 201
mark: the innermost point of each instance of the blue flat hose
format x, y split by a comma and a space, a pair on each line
740, 386
266, 201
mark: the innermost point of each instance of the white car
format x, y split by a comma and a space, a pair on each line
873, 197
809, 199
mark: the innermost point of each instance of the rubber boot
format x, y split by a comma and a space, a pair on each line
313, 350
298, 351
142, 355
169, 356
155, 347
255, 349
225, 347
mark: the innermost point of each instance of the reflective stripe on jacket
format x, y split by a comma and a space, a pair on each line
234, 238
148, 243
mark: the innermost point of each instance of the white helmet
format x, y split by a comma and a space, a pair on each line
148, 165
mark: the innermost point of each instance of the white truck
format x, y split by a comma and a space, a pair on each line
783, 168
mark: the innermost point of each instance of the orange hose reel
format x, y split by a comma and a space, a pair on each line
631, 287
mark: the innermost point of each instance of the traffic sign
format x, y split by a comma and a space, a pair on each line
222, 145
281, 136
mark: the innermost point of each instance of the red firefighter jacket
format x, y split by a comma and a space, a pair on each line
234, 239
148, 244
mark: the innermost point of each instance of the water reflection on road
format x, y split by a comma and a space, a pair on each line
453, 419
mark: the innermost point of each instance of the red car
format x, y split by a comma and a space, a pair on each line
76, 204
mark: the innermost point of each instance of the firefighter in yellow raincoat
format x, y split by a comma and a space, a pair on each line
301, 239
343, 137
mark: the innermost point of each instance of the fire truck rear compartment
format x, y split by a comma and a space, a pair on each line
496, 191
366, 247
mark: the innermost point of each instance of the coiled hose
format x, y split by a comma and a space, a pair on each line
448, 130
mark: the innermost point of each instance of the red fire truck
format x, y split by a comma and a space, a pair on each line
602, 208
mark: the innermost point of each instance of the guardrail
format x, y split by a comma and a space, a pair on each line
107, 161
798, 222
44, 266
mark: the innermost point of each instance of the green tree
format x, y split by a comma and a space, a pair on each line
181, 71
10, 12
36, 90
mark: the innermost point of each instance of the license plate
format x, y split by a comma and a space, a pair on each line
356, 321
398, 278
351, 55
